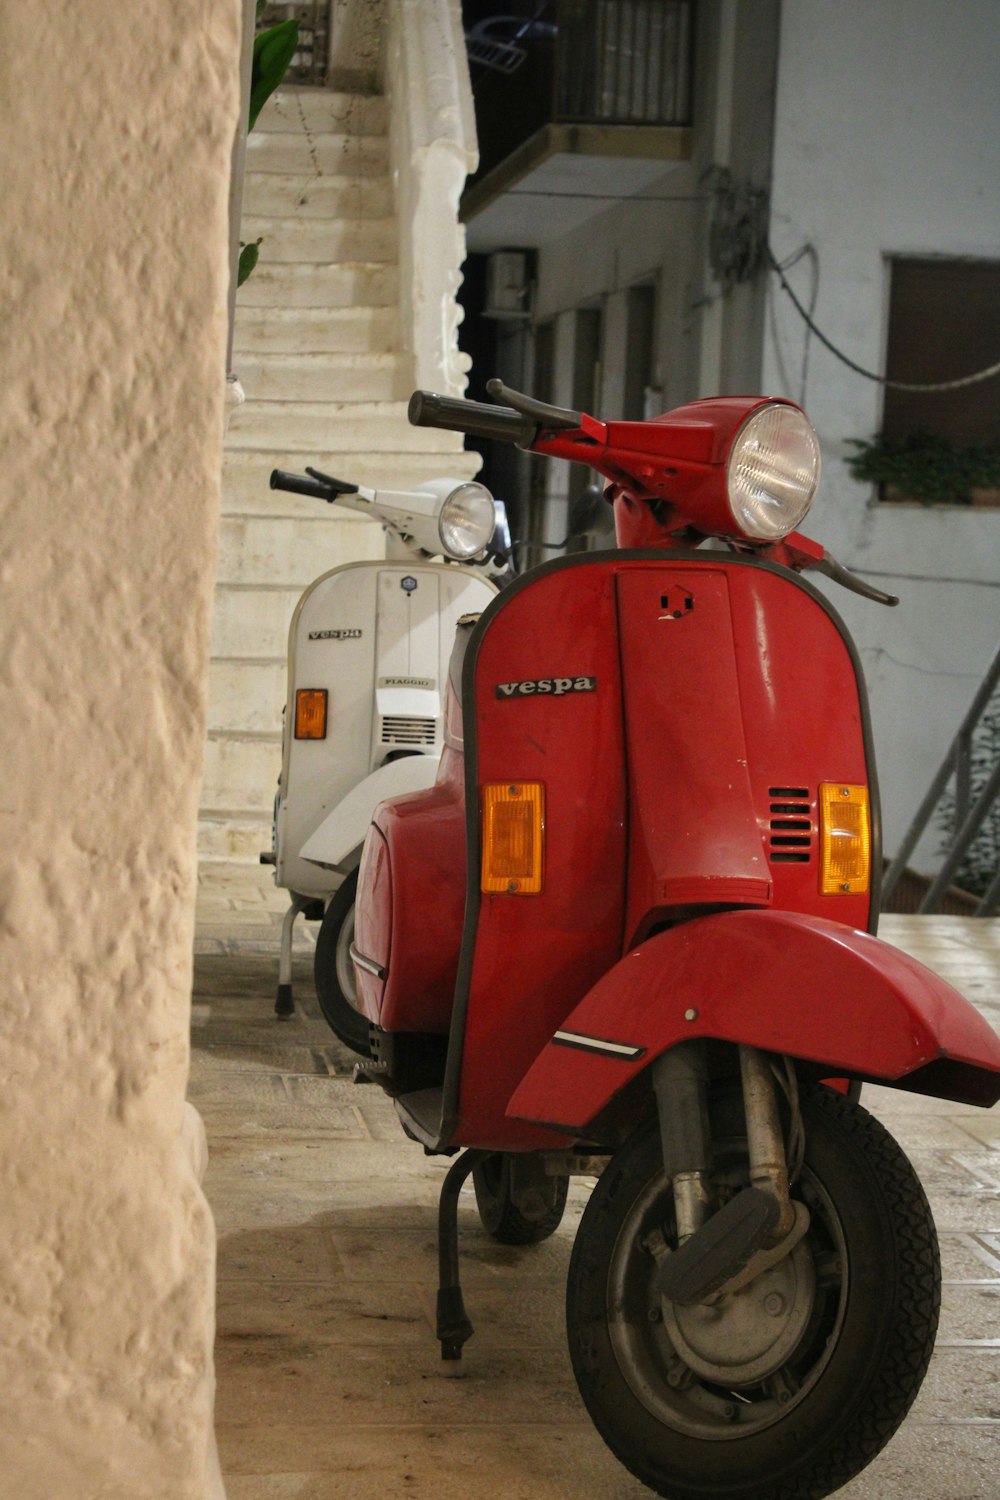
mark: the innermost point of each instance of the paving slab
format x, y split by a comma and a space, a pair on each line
329, 1380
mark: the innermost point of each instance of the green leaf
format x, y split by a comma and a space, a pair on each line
925, 467
248, 259
273, 50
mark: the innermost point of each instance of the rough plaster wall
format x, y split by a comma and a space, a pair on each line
117, 120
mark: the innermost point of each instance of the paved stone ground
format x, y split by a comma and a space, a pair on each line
329, 1381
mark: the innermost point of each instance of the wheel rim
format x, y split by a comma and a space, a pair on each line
344, 966
736, 1368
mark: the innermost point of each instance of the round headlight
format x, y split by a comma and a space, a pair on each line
773, 472
467, 520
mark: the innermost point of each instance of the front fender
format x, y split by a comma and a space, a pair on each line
775, 980
342, 831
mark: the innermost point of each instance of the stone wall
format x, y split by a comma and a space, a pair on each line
117, 122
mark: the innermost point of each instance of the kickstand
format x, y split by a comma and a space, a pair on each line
284, 1005
453, 1326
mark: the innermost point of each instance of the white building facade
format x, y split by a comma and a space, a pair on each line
853, 134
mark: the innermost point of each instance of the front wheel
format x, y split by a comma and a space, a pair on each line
790, 1386
334, 972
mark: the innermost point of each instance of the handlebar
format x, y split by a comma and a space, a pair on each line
474, 417
320, 486
521, 420
664, 460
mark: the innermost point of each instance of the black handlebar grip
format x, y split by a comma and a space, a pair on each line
300, 484
475, 417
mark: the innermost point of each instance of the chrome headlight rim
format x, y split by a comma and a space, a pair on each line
772, 472
466, 521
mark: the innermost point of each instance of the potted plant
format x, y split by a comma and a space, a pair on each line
928, 469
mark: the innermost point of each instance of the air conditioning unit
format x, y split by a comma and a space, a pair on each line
508, 285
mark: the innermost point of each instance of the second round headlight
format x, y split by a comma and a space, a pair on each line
467, 520
773, 472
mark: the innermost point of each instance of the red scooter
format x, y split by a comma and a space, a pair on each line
662, 966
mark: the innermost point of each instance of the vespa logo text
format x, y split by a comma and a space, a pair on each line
539, 686
335, 635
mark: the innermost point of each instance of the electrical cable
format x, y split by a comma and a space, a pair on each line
896, 385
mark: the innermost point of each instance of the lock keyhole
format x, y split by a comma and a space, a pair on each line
676, 605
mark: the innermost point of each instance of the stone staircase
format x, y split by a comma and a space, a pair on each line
317, 350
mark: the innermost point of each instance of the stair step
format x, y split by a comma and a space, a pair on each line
246, 697
323, 377
251, 621
317, 348
290, 553
322, 156
315, 330
233, 837
299, 109
319, 198
307, 427
321, 241
353, 284
246, 475
241, 772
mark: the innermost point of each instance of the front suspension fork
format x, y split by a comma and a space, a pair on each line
765, 1141
719, 1251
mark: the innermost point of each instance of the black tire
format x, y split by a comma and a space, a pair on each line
505, 1176
334, 974
854, 1313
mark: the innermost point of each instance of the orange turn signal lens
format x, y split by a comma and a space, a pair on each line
513, 836
845, 839
310, 714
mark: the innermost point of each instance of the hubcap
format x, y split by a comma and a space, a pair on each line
750, 1334
726, 1370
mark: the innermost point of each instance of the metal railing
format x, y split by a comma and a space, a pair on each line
623, 62
972, 806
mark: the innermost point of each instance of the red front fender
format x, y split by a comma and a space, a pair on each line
775, 980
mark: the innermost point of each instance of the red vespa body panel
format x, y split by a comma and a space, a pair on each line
661, 768
777, 980
738, 692
680, 712
421, 835
530, 957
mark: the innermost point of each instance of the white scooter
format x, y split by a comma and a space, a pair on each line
368, 651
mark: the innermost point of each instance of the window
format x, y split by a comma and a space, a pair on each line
640, 348
944, 324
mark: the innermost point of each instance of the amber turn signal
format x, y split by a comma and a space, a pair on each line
310, 714
845, 839
513, 835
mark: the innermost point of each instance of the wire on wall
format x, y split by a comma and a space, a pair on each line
897, 385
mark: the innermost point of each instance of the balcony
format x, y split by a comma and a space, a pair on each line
574, 114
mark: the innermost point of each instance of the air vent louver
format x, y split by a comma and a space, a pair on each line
398, 730
791, 825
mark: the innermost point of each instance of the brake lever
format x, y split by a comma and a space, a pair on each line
836, 571
801, 553
338, 486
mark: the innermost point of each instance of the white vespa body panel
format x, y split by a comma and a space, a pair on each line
377, 637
